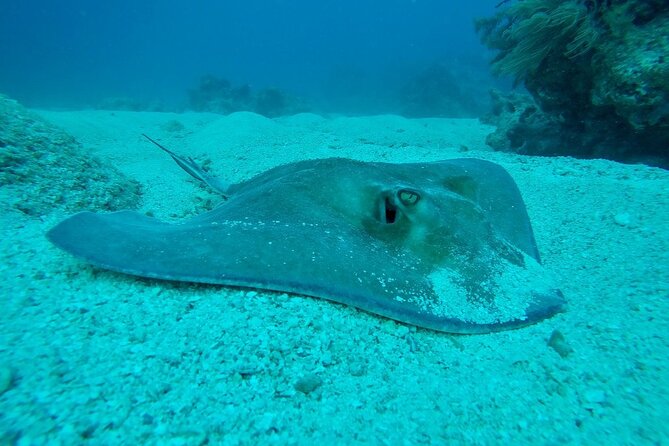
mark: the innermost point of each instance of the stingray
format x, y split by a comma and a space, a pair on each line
444, 245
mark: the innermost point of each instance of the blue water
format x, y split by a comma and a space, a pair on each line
348, 55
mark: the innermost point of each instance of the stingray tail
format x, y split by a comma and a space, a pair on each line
193, 169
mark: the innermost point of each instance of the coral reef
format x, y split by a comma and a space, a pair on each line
129, 104
528, 31
598, 74
519, 119
220, 96
42, 168
443, 90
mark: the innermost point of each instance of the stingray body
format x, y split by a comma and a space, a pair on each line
445, 245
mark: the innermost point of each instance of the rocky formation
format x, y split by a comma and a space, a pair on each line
597, 73
42, 168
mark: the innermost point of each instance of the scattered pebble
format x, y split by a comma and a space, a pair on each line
357, 404
357, 368
558, 343
246, 369
267, 422
326, 359
147, 419
173, 126
401, 331
594, 396
622, 219
308, 383
6, 378
564, 171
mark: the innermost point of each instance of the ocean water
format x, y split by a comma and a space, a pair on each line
112, 345
355, 54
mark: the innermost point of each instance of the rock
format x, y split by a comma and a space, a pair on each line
147, 419
558, 343
599, 84
357, 368
6, 378
622, 219
308, 383
326, 359
401, 331
267, 422
594, 397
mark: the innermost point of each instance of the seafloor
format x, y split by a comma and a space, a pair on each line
89, 356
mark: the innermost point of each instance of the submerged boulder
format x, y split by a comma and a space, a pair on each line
43, 168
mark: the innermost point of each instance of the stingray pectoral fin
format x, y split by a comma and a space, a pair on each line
198, 250
545, 304
339, 264
113, 241
300, 258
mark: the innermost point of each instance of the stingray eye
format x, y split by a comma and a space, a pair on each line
408, 197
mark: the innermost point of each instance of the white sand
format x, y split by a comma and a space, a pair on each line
119, 360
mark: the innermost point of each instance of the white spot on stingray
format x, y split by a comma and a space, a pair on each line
507, 291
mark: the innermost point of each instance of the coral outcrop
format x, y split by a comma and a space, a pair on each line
218, 95
597, 73
444, 90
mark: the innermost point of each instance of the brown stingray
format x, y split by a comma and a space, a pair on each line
445, 245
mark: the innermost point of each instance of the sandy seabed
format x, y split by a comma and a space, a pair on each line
90, 356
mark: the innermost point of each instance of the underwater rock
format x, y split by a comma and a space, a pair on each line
444, 90
173, 126
308, 383
6, 378
594, 399
357, 368
43, 168
521, 126
558, 343
622, 219
129, 104
633, 74
218, 95
597, 71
